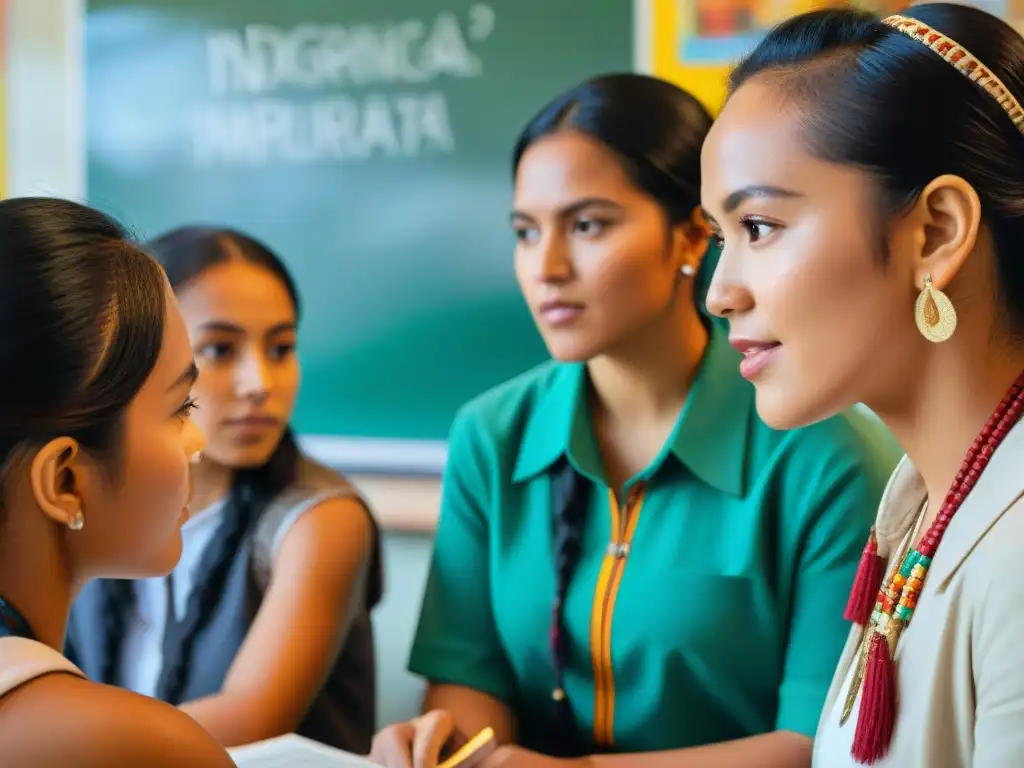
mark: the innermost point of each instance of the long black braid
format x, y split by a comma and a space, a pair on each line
252, 490
570, 496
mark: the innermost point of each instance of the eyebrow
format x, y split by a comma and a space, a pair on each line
572, 208
188, 376
735, 199
225, 327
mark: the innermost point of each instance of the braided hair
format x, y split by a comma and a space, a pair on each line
570, 496
251, 492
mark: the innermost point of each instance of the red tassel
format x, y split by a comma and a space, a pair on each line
877, 706
868, 581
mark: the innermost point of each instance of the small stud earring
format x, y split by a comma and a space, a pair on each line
196, 457
76, 521
687, 270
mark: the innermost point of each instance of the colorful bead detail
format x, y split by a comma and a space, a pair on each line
897, 598
965, 62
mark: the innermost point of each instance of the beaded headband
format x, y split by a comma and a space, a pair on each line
965, 62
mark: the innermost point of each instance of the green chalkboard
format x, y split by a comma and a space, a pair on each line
367, 141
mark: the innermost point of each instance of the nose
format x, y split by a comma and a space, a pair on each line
727, 297
252, 376
554, 262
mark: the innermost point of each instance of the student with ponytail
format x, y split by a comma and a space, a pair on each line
263, 628
628, 560
867, 180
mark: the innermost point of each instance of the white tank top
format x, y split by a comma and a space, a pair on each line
23, 660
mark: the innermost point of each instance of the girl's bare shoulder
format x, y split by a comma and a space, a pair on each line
64, 720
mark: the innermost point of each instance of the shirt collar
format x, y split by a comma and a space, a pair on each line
709, 438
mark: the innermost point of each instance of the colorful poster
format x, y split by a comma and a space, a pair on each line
695, 42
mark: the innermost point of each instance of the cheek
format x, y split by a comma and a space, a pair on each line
628, 278
157, 472
816, 283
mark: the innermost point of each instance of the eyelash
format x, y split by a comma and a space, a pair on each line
749, 223
185, 411
598, 226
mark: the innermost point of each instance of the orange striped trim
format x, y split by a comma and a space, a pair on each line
605, 594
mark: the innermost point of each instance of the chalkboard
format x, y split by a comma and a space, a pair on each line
368, 142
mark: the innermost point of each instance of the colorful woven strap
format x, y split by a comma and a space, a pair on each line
965, 62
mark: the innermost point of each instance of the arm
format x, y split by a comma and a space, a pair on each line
315, 589
457, 647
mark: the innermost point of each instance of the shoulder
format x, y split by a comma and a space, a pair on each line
499, 416
854, 442
92, 720
321, 515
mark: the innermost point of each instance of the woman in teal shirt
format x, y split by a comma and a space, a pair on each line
628, 560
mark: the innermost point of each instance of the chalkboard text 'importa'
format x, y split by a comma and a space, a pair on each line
327, 92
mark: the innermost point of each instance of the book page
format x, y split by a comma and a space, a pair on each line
291, 751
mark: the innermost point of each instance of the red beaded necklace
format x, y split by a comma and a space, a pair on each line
886, 609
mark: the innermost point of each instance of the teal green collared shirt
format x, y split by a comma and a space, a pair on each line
724, 618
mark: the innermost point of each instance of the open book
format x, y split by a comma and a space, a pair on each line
292, 751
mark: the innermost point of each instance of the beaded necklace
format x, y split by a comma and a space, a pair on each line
897, 597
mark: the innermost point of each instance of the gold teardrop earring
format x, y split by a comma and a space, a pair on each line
934, 313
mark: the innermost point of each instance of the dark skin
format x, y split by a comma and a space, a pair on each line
132, 528
588, 236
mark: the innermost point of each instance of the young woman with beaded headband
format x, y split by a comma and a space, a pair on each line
629, 561
866, 178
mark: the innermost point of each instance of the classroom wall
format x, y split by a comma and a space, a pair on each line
44, 142
45, 150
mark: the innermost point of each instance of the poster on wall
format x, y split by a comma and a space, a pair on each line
695, 42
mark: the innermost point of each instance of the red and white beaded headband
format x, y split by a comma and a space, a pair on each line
965, 62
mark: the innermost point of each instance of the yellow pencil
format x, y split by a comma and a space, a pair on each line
481, 740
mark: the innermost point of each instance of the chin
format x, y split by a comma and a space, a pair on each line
783, 408
570, 351
251, 457
165, 561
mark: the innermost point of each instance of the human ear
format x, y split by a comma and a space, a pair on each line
55, 475
947, 217
690, 241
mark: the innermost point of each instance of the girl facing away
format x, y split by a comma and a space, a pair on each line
866, 178
96, 437
264, 626
631, 568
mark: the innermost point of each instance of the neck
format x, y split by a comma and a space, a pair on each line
212, 481
958, 390
649, 377
36, 576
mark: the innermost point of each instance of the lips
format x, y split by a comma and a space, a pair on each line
757, 355
253, 421
559, 314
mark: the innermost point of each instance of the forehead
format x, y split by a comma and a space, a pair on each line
758, 141
569, 164
236, 290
